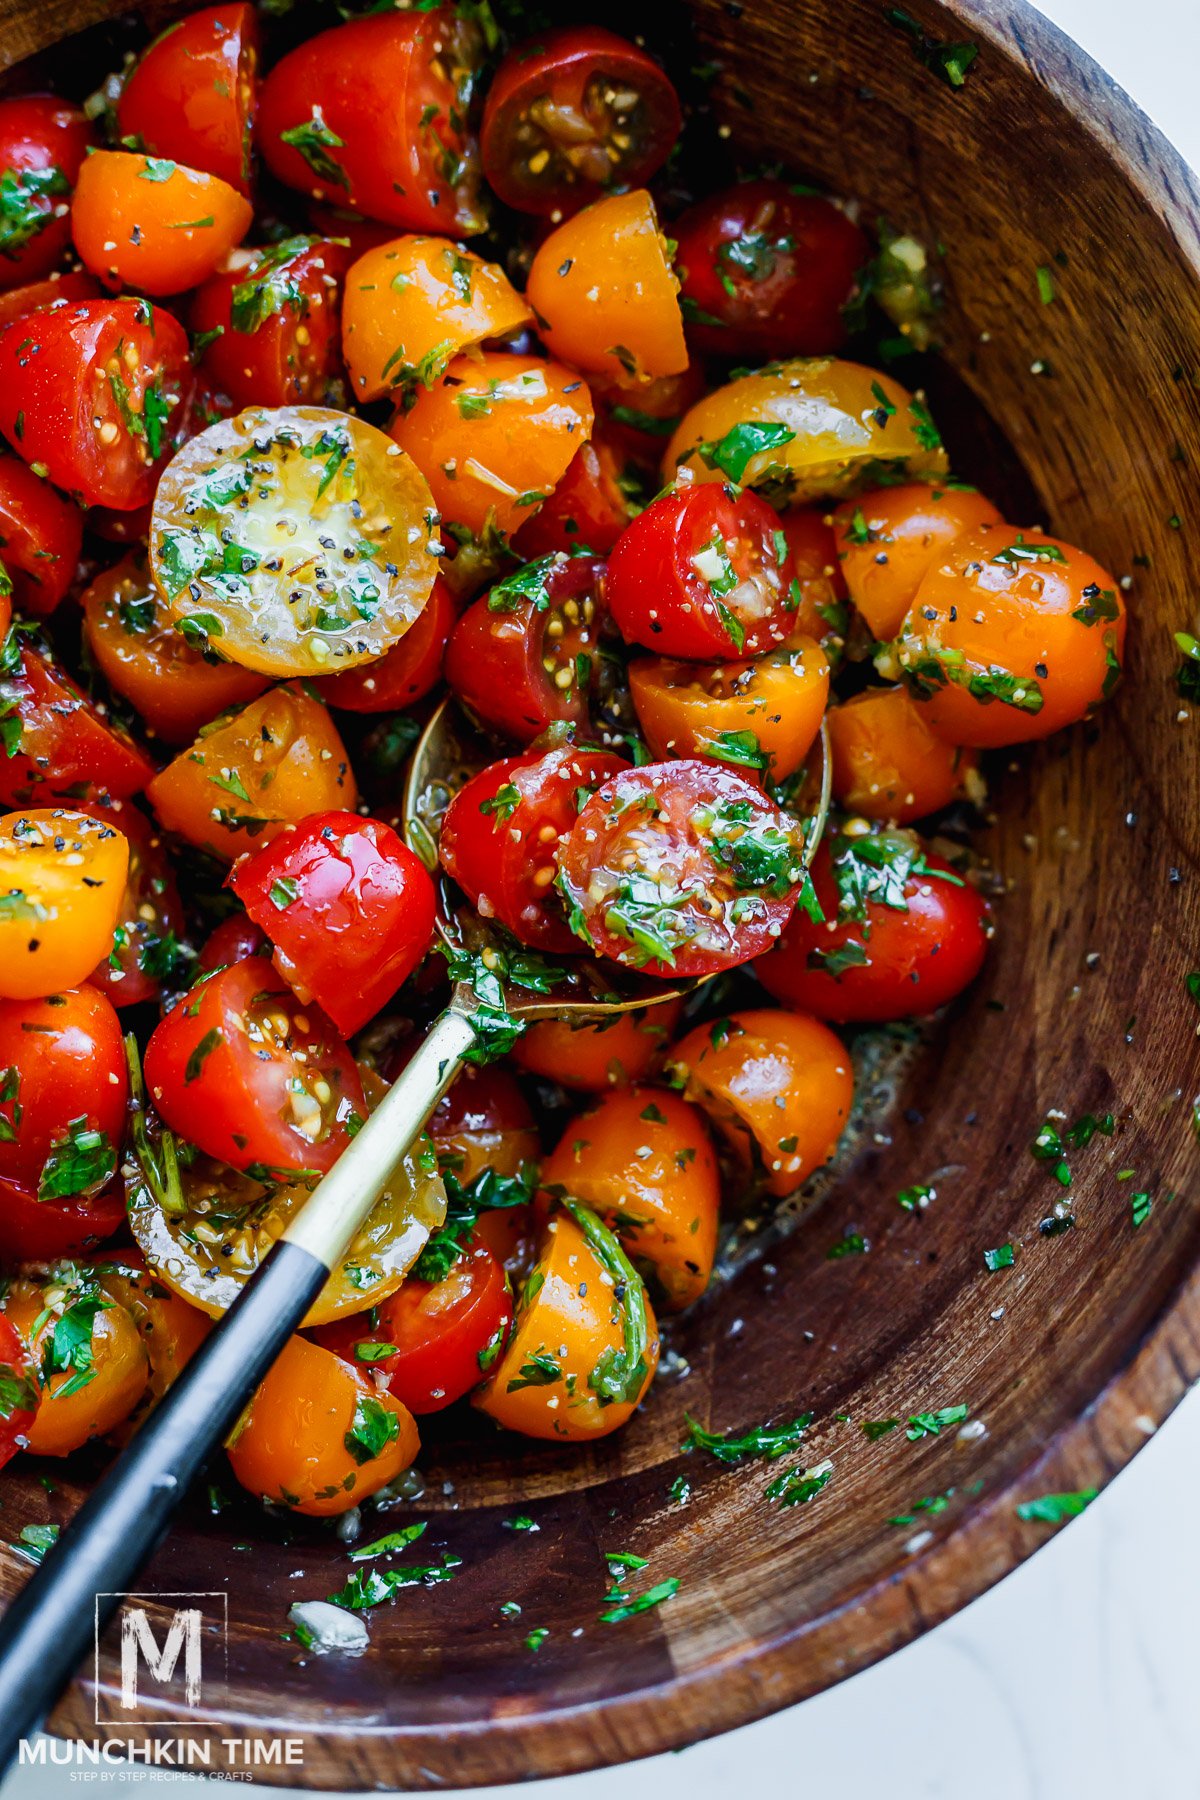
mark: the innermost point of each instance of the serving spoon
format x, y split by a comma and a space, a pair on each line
49, 1627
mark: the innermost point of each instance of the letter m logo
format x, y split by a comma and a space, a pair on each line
139, 1644
160, 1652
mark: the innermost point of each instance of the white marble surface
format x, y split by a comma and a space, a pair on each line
1078, 1675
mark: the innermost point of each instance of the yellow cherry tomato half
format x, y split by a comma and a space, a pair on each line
888, 764
91, 1362
62, 881
761, 715
889, 539
146, 223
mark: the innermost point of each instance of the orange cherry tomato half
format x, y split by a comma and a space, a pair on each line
642, 1159
888, 764
406, 672
41, 533
90, 1363
271, 321
762, 715
43, 142
171, 1330
604, 294
318, 1437
776, 1084
58, 741
889, 539
62, 878
1012, 635
607, 1054
244, 779
144, 222
495, 436
64, 1088
413, 304
192, 95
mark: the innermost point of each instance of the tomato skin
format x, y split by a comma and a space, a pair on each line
779, 1084
56, 381
496, 659
68, 1415
405, 673
916, 960
359, 919
38, 133
133, 228
369, 83
76, 867
772, 268
588, 510
41, 535
171, 1330
151, 915
33, 1230
889, 539
292, 356
16, 1368
58, 289
64, 1059
234, 939
439, 1329
695, 709
192, 95
64, 742
820, 584
888, 764
659, 597
484, 1122
504, 859
212, 1083
290, 1445
592, 1058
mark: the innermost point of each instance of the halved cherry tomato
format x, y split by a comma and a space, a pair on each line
572, 115
593, 1057
414, 304
318, 1437
176, 686
248, 776
805, 429
604, 294
295, 539
584, 1345
775, 1084
902, 934
495, 436
406, 672
18, 1392
639, 416
62, 288
524, 654
765, 270
62, 880
171, 1330
234, 939
59, 743
192, 94
63, 1090
89, 393
373, 115
761, 715
502, 831
272, 318
37, 1230
484, 1122
588, 510
253, 1075
681, 868
704, 571
43, 142
820, 586
90, 1364
142, 222
41, 534
1012, 635
348, 907
642, 1159
888, 764
146, 951
890, 538
429, 1344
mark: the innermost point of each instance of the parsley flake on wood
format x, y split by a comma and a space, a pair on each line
929, 1424
369, 1587
767, 1441
1000, 1258
387, 1546
1054, 1509
947, 60
796, 1487
623, 1606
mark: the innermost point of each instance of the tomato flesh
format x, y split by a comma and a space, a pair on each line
62, 1075
275, 325
58, 741
43, 142
41, 535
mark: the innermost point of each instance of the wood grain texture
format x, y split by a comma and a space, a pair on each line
1073, 1356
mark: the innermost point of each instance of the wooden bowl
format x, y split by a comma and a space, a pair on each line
1069, 1359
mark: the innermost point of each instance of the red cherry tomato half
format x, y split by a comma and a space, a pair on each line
192, 96
438, 1331
765, 271
573, 115
59, 742
235, 938
408, 671
902, 935
681, 868
63, 1082
41, 534
588, 510
18, 1392
252, 1075
35, 1230
57, 289
90, 393
524, 654
368, 116
146, 950
43, 141
348, 907
705, 571
276, 318
502, 830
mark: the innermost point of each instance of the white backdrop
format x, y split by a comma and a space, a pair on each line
1078, 1675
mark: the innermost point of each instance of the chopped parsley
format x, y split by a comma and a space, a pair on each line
768, 1441
1053, 1509
733, 453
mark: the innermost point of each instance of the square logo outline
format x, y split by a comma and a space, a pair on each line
158, 1600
